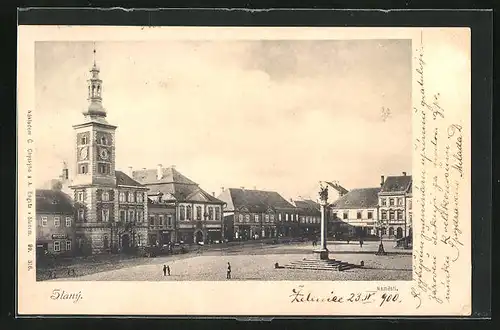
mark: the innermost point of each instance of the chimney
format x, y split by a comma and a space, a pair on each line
242, 188
159, 172
172, 166
382, 180
221, 189
143, 168
213, 193
254, 187
130, 171
65, 172
404, 173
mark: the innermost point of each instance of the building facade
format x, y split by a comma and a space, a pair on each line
309, 213
254, 214
162, 221
111, 208
355, 213
55, 223
198, 215
395, 204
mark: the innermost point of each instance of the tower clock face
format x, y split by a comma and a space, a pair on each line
84, 153
104, 153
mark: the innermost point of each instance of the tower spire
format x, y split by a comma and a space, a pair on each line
95, 108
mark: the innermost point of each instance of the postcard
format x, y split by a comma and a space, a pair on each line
252, 171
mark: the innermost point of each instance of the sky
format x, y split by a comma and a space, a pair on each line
273, 115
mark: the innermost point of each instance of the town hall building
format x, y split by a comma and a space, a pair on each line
111, 207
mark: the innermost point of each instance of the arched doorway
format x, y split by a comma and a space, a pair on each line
125, 242
105, 242
391, 232
198, 236
399, 232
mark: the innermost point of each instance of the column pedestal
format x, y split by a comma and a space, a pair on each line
322, 254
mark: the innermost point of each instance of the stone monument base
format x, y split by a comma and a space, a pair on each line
321, 254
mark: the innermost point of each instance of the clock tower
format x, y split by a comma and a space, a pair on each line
95, 140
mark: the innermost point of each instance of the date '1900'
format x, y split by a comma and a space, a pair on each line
300, 295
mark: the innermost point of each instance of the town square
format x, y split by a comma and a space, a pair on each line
325, 218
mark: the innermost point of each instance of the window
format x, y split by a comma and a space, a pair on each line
400, 215
391, 201
122, 197
44, 221
68, 221
384, 215
182, 211
160, 220
80, 196
409, 217
131, 196
240, 217
81, 215
68, 245
400, 201
103, 168
271, 217
334, 215
57, 221
279, 217
409, 204
210, 213
256, 217
247, 217
103, 140
391, 215
267, 217
383, 202
286, 217
83, 169
217, 213
105, 215
140, 216
169, 220
83, 140
152, 220
139, 197
370, 214
123, 215
345, 216
358, 215
105, 196
198, 213
57, 246
131, 216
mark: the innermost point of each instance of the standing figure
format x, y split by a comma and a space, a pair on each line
164, 270
228, 275
168, 270
361, 242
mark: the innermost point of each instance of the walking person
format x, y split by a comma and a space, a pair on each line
165, 270
228, 275
168, 270
361, 242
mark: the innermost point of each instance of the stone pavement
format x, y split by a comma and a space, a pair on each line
258, 264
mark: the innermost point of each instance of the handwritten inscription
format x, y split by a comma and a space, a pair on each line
383, 297
437, 186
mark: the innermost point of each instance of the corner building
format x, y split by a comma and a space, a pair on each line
111, 208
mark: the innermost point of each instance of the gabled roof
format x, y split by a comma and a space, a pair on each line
174, 186
358, 199
396, 184
258, 201
53, 201
307, 206
123, 179
170, 175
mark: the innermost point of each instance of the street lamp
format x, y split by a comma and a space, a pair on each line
381, 250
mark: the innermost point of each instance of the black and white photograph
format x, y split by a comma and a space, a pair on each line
224, 160
286, 170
